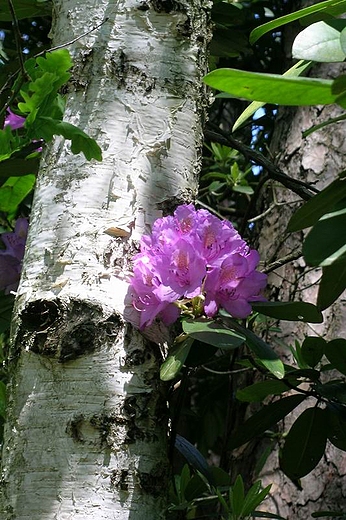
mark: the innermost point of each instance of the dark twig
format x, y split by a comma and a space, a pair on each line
282, 261
301, 188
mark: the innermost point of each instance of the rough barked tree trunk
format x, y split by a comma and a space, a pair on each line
316, 159
87, 422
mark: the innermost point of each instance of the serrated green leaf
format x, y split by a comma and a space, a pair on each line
321, 7
291, 311
14, 191
312, 350
320, 42
319, 204
335, 352
272, 88
213, 333
326, 242
265, 419
305, 443
259, 391
175, 360
332, 284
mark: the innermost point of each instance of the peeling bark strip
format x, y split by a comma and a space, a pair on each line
87, 421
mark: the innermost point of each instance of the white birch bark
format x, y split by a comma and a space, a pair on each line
87, 424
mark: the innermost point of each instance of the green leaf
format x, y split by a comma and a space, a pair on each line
25, 9
291, 311
192, 455
195, 488
6, 307
175, 360
321, 7
320, 42
332, 284
296, 70
312, 350
335, 352
236, 496
243, 188
213, 333
272, 88
18, 167
265, 419
326, 242
319, 204
259, 391
80, 141
3, 401
14, 191
334, 390
264, 353
337, 425
305, 443
254, 498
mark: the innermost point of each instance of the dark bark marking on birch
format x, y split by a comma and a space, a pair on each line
166, 6
119, 480
153, 482
169, 205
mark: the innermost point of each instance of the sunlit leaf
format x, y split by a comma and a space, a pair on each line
259, 391
175, 360
14, 191
213, 333
320, 42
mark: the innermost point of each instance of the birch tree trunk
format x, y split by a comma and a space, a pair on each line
87, 422
316, 159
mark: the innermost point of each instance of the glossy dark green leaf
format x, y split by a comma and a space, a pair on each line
335, 352
332, 284
291, 311
272, 88
305, 443
175, 360
213, 333
320, 42
312, 350
265, 419
321, 7
263, 352
334, 390
326, 242
199, 354
192, 455
195, 488
259, 391
319, 204
337, 425
19, 167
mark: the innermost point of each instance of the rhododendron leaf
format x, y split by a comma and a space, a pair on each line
335, 352
265, 419
264, 353
337, 425
291, 311
312, 350
319, 204
213, 333
175, 360
320, 42
259, 391
332, 284
305, 443
326, 242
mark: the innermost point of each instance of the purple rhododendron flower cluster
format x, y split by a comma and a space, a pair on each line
11, 257
194, 262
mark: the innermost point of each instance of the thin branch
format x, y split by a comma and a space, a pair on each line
282, 261
303, 189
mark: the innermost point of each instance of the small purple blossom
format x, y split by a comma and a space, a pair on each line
13, 120
194, 260
11, 257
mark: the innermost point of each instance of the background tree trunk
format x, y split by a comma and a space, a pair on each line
316, 159
87, 422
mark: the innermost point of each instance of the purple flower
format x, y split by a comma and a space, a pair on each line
192, 261
13, 120
11, 257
